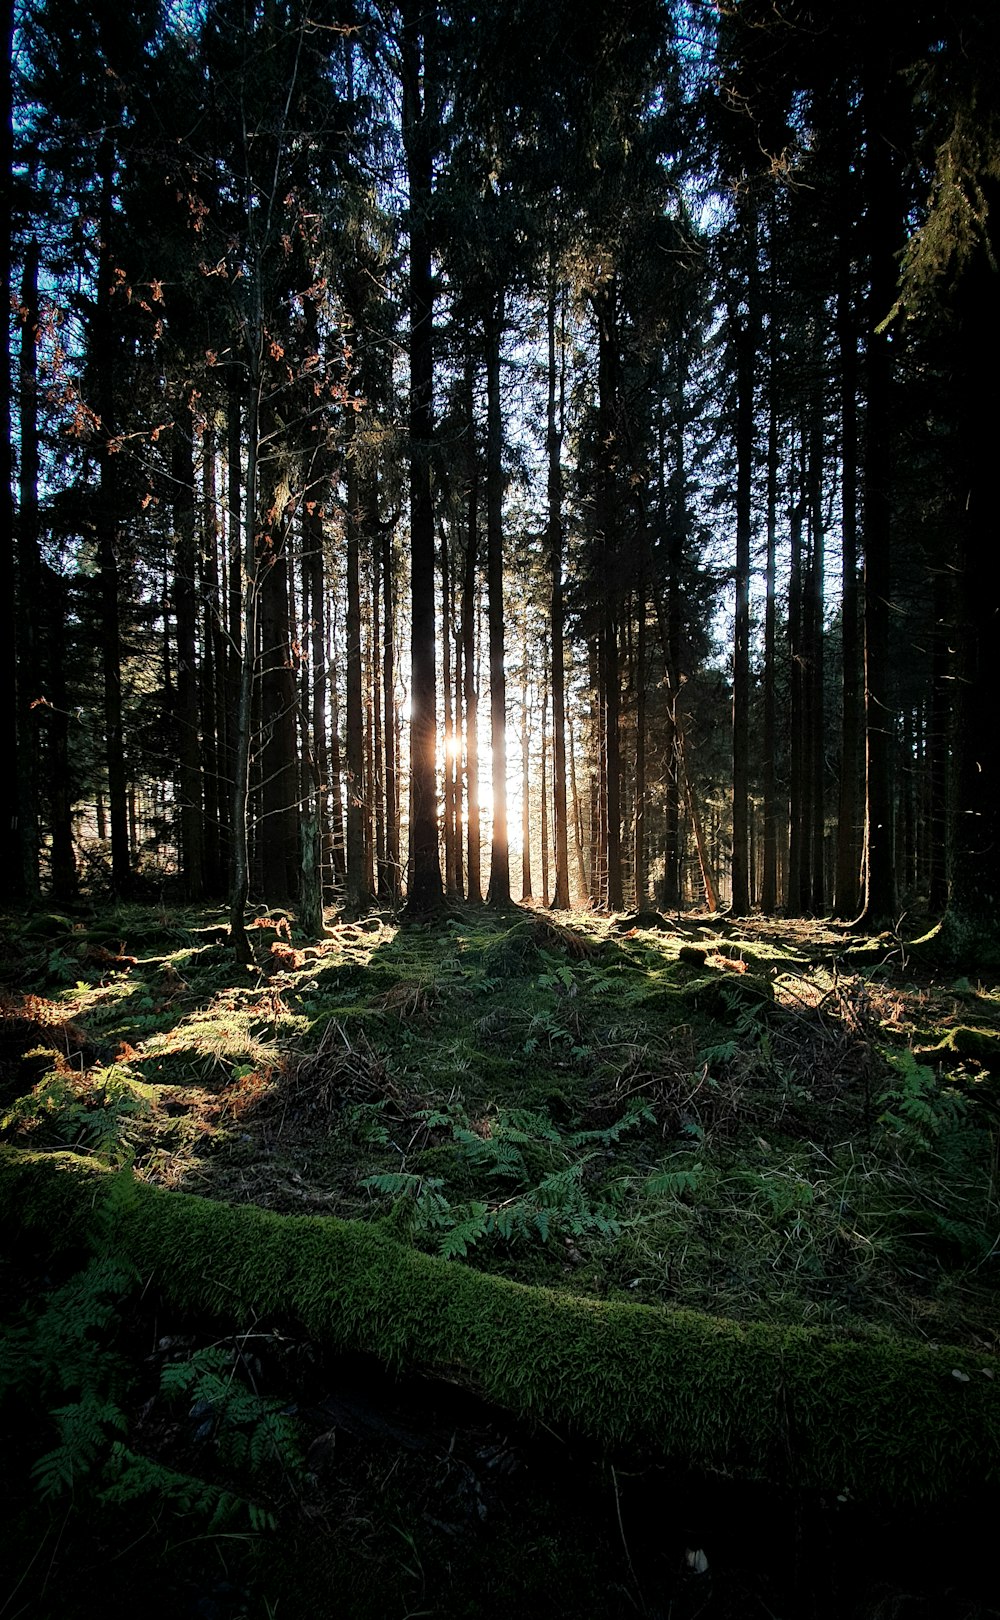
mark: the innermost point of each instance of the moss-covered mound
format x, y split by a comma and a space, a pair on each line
875, 1416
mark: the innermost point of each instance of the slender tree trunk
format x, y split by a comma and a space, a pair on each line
796, 765
189, 740
378, 746
581, 859
425, 888
745, 336
11, 866
847, 896
234, 588
640, 866
769, 875
314, 571
29, 568
458, 734
279, 776
560, 898
499, 889
544, 810
471, 685
817, 732
608, 662
392, 865
338, 861
452, 832
108, 536
358, 894
526, 891
880, 885
214, 694
246, 580
64, 874
938, 741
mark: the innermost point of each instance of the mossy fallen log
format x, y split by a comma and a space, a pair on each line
878, 1417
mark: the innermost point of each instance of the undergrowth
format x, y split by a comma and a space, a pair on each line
729, 1121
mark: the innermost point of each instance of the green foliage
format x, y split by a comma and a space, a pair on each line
919, 1112
68, 1344
86, 1428
97, 1111
252, 1434
872, 1413
556, 1201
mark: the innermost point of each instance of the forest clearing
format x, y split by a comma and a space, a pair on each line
648, 1210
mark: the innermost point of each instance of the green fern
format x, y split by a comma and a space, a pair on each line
472, 1223
918, 1110
250, 1432
83, 1443
674, 1183
132, 1477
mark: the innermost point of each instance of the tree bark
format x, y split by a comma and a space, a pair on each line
29, 689
880, 880
108, 532
499, 886
358, 892
746, 346
425, 893
560, 897
189, 740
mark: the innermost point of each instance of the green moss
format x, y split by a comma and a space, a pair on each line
725, 994
877, 1416
982, 1045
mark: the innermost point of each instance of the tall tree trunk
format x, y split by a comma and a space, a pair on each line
939, 740
11, 868
425, 888
64, 874
458, 734
880, 881
499, 888
452, 830
640, 865
234, 590
189, 741
469, 661
578, 840
817, 730
554, 415
244, 580
608, 674
214, 689
358, 893
29, 569
392, 866
544, 811
745, 338
108, 535
526, 892
338, 862
797, 854
279, 776
772, 815
847, 895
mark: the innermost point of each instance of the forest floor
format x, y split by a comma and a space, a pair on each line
765, 1121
